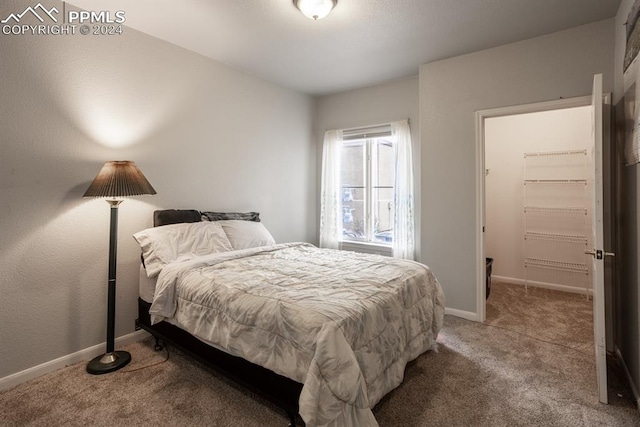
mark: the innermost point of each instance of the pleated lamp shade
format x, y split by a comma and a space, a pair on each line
119, 179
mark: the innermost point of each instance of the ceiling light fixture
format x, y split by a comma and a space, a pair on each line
315, 9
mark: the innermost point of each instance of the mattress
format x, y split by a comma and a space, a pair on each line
146, 285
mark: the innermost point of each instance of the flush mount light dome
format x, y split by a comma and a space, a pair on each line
315, 9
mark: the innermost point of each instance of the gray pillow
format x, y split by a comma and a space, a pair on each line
223, 216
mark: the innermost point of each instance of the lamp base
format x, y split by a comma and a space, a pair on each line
108, 362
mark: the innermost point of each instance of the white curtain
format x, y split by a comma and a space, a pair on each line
403, 221
330, 198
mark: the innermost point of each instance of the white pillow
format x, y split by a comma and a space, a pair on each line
168, 243
246, 234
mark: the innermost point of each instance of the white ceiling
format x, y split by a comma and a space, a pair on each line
362, 42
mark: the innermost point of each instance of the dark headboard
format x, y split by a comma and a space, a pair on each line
176, 216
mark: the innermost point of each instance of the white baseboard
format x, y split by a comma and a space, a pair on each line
634, 389
79, 356
533, 283
460, 313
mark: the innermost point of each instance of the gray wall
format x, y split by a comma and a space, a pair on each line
384, 103
205, 135
451, 91
627, 328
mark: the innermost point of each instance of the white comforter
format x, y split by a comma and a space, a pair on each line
342, 323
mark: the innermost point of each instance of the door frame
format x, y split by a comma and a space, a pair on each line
480, 117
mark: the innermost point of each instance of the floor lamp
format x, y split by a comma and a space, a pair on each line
115, 181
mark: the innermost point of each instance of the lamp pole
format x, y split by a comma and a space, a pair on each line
113, 255
111, 360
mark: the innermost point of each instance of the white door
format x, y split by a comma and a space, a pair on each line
598, 242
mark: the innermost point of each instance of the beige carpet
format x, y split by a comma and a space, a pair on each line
558, 317
481, 376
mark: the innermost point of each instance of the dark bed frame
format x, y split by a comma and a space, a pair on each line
281, 391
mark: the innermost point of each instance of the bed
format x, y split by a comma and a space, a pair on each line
320, 333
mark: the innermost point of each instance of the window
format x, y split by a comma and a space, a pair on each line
366, 192
367, 183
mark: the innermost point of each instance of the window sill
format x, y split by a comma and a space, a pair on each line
366, 247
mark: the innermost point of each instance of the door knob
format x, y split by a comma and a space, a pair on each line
598, 254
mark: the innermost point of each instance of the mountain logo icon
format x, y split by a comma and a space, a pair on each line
34, 11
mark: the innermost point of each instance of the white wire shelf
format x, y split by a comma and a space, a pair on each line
556, 153
568, 210
555, 181
556, 207
569, 238
556, 265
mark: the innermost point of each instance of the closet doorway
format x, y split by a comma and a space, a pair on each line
538, 197
532, 195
